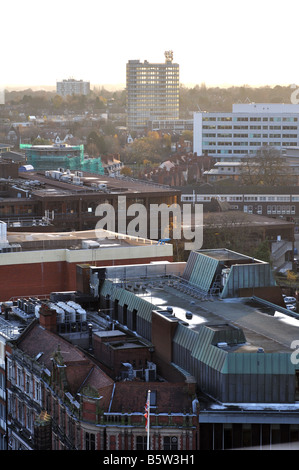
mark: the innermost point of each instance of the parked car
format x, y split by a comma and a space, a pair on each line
289, 300
189, 315
291, 307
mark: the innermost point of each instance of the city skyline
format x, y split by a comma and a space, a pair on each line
218, 44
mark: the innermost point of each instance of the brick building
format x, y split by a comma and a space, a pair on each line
59, 397
70, 201
35, 264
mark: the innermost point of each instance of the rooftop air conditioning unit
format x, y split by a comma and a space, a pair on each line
150, 375
89, 244
138, 373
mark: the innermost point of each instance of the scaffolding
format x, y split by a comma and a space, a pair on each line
47, 157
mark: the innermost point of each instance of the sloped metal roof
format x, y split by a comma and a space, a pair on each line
205, 352
125, 297
201, 270
199, 343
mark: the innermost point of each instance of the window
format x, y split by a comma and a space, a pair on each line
227, 436
21, 416
29, 419
153, 398
38, 394
20, 378
2, 412
141, 442
170, 443
246, 435
28, 384
90, 441
2, 381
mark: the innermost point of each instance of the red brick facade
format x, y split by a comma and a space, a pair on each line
35, 279
85, 408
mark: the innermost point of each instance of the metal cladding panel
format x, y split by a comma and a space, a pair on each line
259, 363
124, 297
144, 309
203, 272
204, 351
185, 337
258, 388
183, 343
247, 276
106, 288
190, 265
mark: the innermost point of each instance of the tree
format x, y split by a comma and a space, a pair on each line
92, 150
265, 168
57, 102
41, 141
152, 147
292, 278
126, 171
98, 140
263, 251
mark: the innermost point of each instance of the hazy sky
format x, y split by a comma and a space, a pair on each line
217, 42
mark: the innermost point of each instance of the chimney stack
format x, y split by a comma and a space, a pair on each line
47, 318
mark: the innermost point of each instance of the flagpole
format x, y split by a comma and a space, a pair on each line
148, 419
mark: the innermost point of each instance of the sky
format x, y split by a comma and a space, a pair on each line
219, 43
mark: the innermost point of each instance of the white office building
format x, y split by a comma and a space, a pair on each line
231, 136
72, 87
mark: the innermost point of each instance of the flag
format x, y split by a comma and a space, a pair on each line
147, 419
146, 414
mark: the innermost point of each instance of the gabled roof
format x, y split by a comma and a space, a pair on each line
80, 370
131, 396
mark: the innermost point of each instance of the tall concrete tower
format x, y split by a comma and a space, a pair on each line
152, 92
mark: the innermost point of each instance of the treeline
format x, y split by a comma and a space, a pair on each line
42, 101
199, 97
219, 99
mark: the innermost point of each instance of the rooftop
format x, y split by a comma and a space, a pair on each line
90, 183
269, 329
191, 289
74, 240
234, 187
223, 254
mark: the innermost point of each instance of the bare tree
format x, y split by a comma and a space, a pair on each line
267, 167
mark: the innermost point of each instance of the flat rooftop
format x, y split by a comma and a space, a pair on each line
118, 185
74, 240
263, 327
222, 254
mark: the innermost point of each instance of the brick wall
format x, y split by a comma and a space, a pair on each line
42, 278
163, 329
